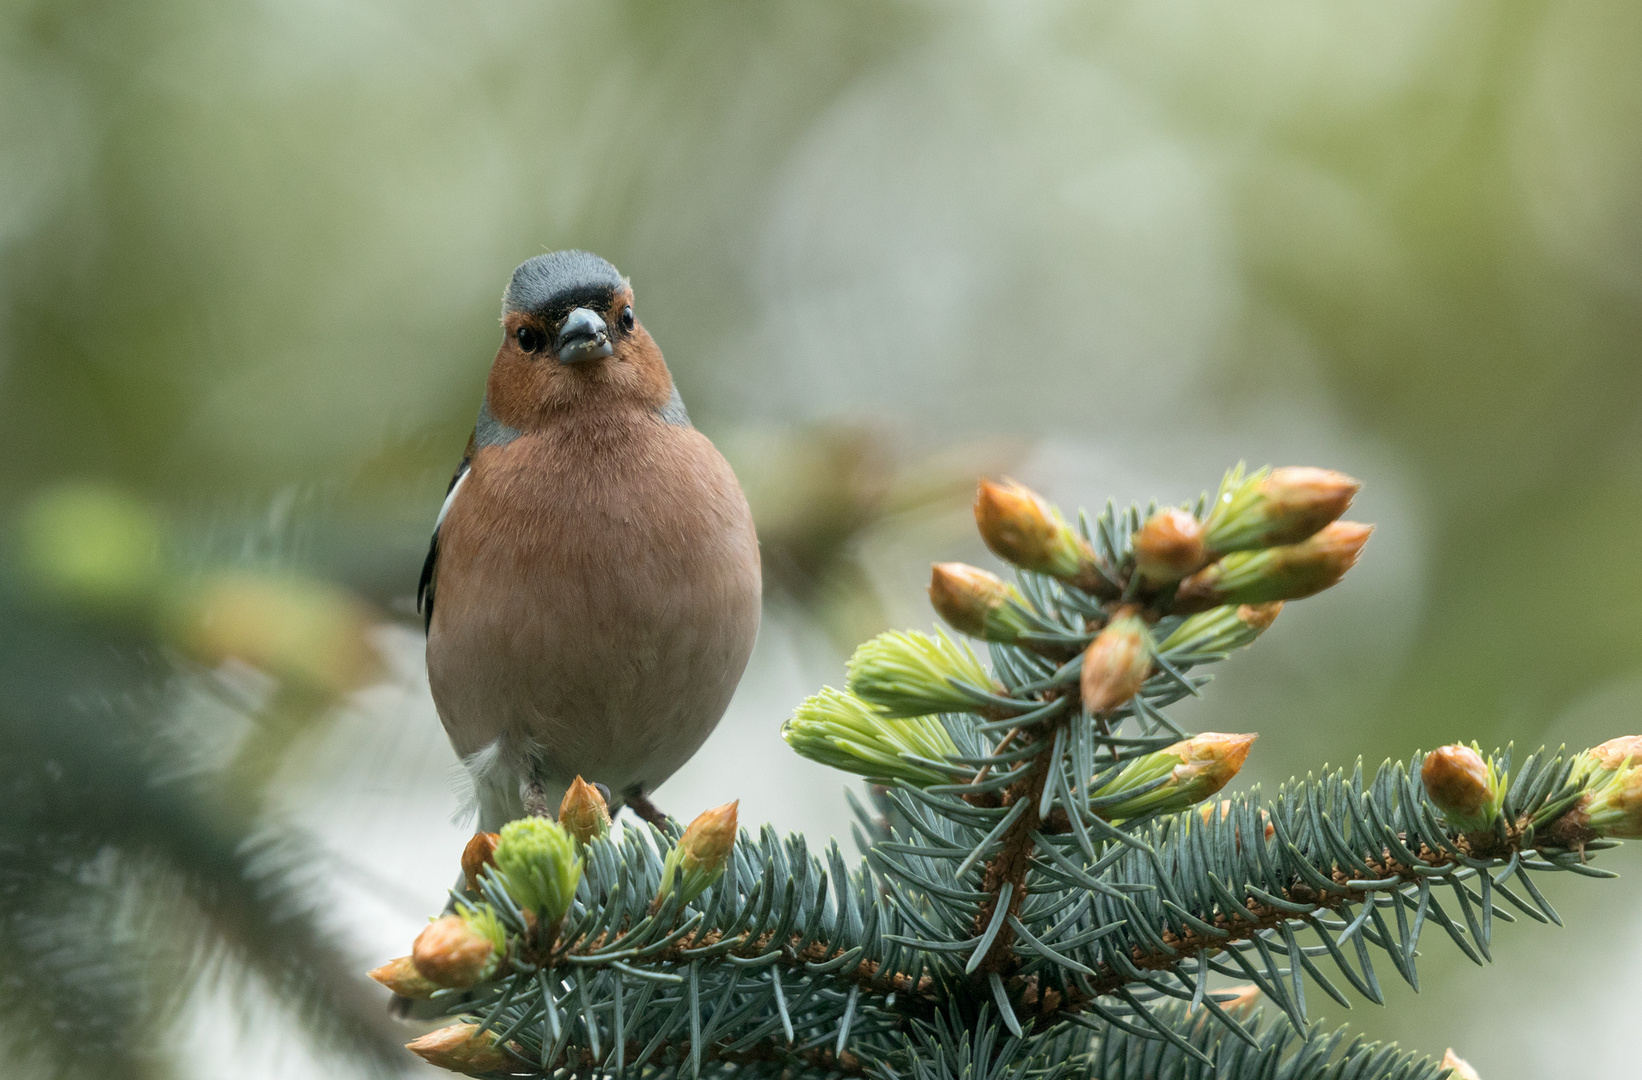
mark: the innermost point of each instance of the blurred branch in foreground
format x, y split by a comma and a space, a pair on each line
126, 872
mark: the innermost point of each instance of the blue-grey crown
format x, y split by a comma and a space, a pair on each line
554, 283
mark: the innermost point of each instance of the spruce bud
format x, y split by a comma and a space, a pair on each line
583, 812
1466, 788
452, 953
977, 603
1169, 547
1191, 770
840, 730
480, 853
1021, 528
1611, 775
699, 857
1259, 617
1206, 812
1617, 753
1209, 760
539, 866
1460, 1068
1279, 573
402, 978
1271, 508
1612, 805
905, 673
1116, 663
461, 1048
1213, 633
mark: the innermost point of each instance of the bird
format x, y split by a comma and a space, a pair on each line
591, 592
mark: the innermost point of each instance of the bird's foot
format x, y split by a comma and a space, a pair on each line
535, 799
638, 802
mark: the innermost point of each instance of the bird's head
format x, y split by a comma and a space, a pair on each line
570, 340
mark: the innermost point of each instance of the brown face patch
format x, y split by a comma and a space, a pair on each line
529, 390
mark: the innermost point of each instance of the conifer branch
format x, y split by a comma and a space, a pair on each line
1049, 884
1009, 866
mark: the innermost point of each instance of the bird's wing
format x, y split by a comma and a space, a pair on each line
430, 565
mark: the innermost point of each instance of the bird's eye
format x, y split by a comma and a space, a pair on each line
627, 317
530, 339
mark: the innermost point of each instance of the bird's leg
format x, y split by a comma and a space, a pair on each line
640, 804
535, 799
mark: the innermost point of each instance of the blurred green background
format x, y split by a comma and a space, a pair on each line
250, 262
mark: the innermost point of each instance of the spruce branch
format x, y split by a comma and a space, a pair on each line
1277, 1053
1214, 892
1046, 889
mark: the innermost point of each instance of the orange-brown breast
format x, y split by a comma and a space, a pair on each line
598, 598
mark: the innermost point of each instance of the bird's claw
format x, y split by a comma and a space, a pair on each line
535, 800
640, 804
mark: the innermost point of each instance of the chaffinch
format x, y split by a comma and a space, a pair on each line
591, 593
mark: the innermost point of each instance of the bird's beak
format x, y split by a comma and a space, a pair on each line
583, 337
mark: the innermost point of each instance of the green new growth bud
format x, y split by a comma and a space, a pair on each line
698, 859
1192, 770
1274, 507
461, 1048
452, 952
539, 866
1209, 760
1169, 547
483, 920
1611, 776
841, 730
583, 812
402, 978
1116, 663
1612, 805
1022, 529
905, 673
977, 603
1460, 1069
1279, 573
1219, 630
1466, 788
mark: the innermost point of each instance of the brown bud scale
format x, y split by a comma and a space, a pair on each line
1115, 665
460, 1048
451, 953
1456, 780
583, 811
965, 595
479, 853
1169, 546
